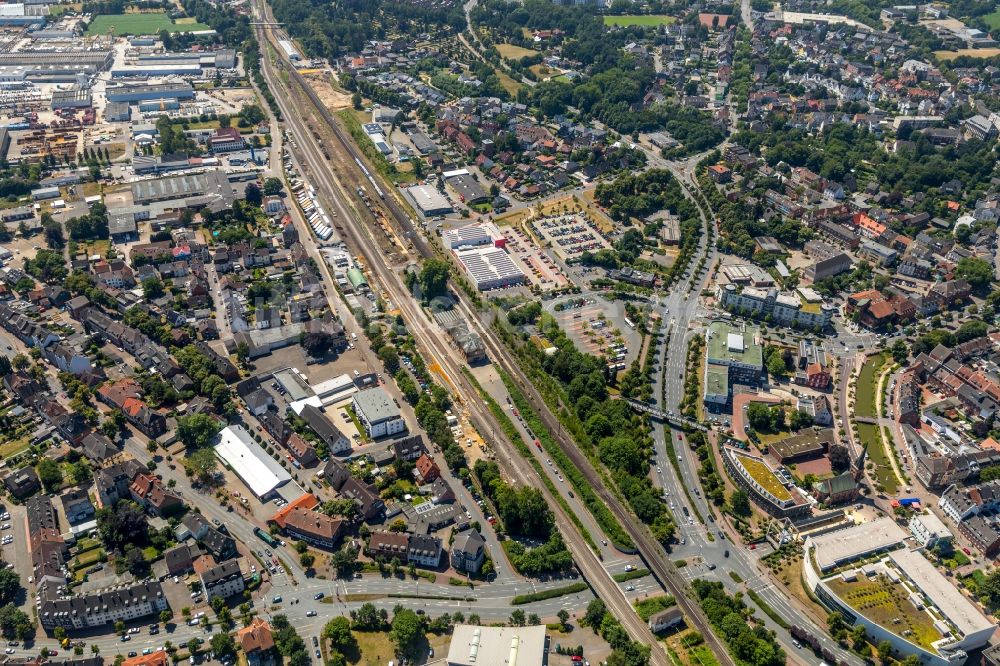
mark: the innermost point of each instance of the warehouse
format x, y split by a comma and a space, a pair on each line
71, 99
429, 201
138, 93
87, 61
157, 69
468, 190
261, 473
490, 268
468, 236
211, 189
116, 112
472, 645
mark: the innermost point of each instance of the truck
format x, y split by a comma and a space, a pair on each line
265, 537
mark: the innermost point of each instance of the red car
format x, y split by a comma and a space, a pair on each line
967, 551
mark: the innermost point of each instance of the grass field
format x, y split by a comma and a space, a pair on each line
972, 53
993, 20
139, 24
867, 380
872, 442
639, 19
886, 604
512, 52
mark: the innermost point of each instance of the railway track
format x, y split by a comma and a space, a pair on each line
360, 236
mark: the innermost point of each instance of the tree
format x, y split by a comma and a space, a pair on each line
166, 616
367, 618
976, 271
596, 610
776, 366
338, 632
194, 645
122, 524
253, 194
356, 101
389, 357
433, 278
272, 186
740, 503
223, 645
563, 616
50, 474
345, 561
318, 343
152, 288
10, 586
307, 559
201, 464
407, 631
197, 430
14, 623
884, 651
53, 232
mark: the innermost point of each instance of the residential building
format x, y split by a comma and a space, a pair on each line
424, 550
388, 546
929, 530
223, 580
378, 413
337, 443
783, 309
468, 551
257, 642
665, 619
102, 607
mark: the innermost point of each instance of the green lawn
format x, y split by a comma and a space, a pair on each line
876, 453
867, 379
639, 19
993, 20
139, 24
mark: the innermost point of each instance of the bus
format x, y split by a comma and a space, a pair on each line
265, 537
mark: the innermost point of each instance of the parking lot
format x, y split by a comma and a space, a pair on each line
570, 236
597, 327
540, 268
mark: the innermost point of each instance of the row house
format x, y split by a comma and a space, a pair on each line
103, 607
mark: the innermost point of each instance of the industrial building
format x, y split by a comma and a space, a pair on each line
138, 93
90, 61
71, 99
470, 235
490, 268
468, 190
261, 473
835, 549
210, 189
429, 201
473, 645
157, 69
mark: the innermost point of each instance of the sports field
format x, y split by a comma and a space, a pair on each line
639, 19
972, 53
149, 23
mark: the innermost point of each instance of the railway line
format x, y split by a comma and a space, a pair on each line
358, 231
